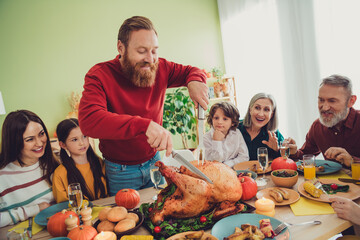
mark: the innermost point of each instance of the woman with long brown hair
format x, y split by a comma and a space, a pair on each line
26, 166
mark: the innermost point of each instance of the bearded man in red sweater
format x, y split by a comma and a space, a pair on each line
123, 100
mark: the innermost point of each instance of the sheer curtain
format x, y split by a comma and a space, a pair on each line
338, 37
274, 46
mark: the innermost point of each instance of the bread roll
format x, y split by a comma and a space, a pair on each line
124, 225
105, 226
103, 213
133, 216
117, 214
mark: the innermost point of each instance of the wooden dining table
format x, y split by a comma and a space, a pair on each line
331, 224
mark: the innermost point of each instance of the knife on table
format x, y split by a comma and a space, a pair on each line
29, 229
349, 180
191, 167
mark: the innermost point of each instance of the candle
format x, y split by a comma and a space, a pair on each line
265, 206
106, 235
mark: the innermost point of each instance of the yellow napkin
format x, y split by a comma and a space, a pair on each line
306, 206
95, 212
19, 228
340, 174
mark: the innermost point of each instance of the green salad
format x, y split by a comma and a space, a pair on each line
283, 173
335, 188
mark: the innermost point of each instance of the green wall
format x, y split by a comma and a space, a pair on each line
47, 46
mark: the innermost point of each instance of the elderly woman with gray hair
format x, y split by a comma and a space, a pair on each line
259, 127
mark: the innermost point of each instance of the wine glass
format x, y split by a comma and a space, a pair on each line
75, 196
263, 159
284, 148
17, 234
155, 176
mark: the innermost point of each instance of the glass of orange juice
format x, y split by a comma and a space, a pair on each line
309, 166
355, 171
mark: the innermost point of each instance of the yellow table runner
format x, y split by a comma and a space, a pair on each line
339, 174
19, 228
306, 206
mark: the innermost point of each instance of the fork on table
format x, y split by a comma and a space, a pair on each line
318, 185
284, 225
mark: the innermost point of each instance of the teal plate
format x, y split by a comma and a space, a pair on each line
42, 217
253, 174
226, 226
329, 166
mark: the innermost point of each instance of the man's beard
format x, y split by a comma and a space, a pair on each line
336, 118
140, 78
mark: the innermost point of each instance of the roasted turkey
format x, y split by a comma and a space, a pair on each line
194, 196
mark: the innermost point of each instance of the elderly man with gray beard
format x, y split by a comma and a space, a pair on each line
336, 134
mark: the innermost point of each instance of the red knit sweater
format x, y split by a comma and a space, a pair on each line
118, 113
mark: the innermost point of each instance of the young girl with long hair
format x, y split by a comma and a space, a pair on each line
26, 166
80, 164
224, 142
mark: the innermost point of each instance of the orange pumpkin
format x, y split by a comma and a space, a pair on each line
249, 187
281, 163
82, 233
127, 198
56, 225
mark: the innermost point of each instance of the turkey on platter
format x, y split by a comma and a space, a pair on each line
194, 196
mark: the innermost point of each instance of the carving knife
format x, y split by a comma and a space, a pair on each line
349, 180
191, 167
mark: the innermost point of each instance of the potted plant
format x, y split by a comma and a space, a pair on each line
179, 115
217, 73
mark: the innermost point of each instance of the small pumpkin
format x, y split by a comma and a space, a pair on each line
281, 163
249, 187
56, 225
127, 198
82, 233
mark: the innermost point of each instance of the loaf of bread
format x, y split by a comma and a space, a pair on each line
117, 214
105, 226
133, 216
124, 225
103, 213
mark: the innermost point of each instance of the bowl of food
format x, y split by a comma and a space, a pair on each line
241, 173
284, 177
118, 220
